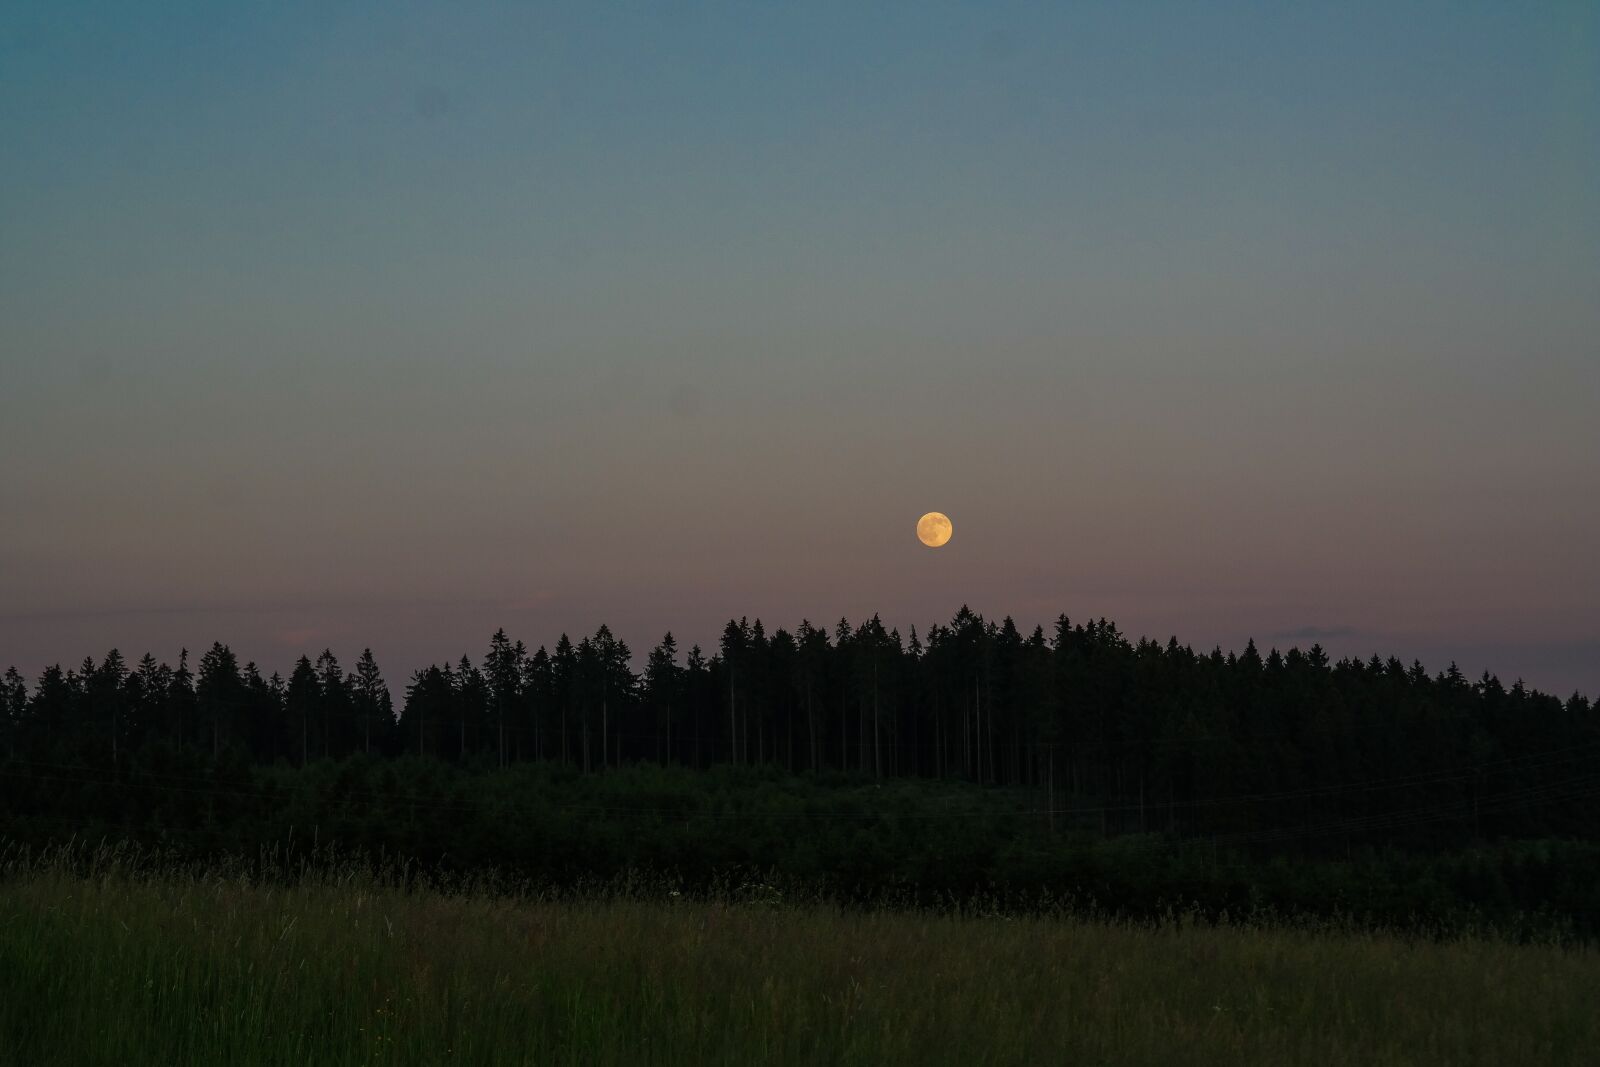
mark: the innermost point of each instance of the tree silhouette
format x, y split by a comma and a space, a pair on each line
1101, 734
662, 682
303, 702
374, 709
220, 694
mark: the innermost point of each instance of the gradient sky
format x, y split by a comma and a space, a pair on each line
389, 324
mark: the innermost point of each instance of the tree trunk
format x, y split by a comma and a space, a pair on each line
877, 750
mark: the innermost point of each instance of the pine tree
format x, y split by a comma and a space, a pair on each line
334, 706
538, 695
261, 713
735, 642
470, 708
696, 682
303, 703
181, 701
429, 697
502, 668
107, 696
220, 694
372, 701
812, 655
13, 706
662, 677
148, 704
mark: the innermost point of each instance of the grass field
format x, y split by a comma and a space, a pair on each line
114, 966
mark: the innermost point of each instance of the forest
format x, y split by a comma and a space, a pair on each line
973, 755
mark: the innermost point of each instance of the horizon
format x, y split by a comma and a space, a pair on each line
1338, 645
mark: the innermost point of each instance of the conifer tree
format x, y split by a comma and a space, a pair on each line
219, 695
335, 709
107, 696
696, 687
538, 696
662, 679
469, 708
372, 701
13, 706
564, 689
180, 701
303, 703
502, 669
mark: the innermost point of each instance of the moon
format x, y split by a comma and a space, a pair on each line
933, 529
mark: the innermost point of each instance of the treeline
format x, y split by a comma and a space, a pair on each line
1103, 734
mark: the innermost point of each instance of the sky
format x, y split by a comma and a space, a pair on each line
390, 324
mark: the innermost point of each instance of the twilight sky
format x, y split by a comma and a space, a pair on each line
388, 324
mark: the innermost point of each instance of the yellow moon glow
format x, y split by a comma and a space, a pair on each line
933, 529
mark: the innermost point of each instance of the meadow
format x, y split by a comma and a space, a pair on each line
110, 961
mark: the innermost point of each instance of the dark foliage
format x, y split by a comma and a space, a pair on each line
973, 755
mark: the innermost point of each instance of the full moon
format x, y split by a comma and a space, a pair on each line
933, 529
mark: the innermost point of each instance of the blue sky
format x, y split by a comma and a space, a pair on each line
391, 324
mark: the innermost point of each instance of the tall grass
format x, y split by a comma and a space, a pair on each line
113, 959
